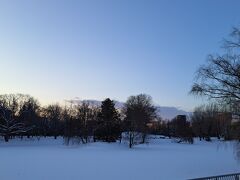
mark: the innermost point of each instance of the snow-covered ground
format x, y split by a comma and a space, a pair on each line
49, 159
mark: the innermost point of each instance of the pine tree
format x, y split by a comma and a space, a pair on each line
108, 129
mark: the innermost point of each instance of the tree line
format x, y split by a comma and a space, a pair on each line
206, 122
21, 115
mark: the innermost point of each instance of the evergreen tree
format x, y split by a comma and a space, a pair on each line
108, 129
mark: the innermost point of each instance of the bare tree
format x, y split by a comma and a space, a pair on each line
9, 109
139, 111
85, 115
220, 78
181, 129
10, 127
53, 114
29, 115
197, 120
69, 126
211, 121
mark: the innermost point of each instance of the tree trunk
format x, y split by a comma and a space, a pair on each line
130, 140
143, 138
6, 138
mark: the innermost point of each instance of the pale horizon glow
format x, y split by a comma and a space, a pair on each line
58, 50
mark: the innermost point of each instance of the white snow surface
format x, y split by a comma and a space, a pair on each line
49, 159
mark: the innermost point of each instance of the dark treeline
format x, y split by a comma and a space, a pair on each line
205, 122
22, 116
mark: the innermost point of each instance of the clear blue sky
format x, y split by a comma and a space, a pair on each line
56, 50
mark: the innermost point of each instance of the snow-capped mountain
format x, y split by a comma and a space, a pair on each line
168, 113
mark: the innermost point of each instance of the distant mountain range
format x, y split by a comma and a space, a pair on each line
166, 112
